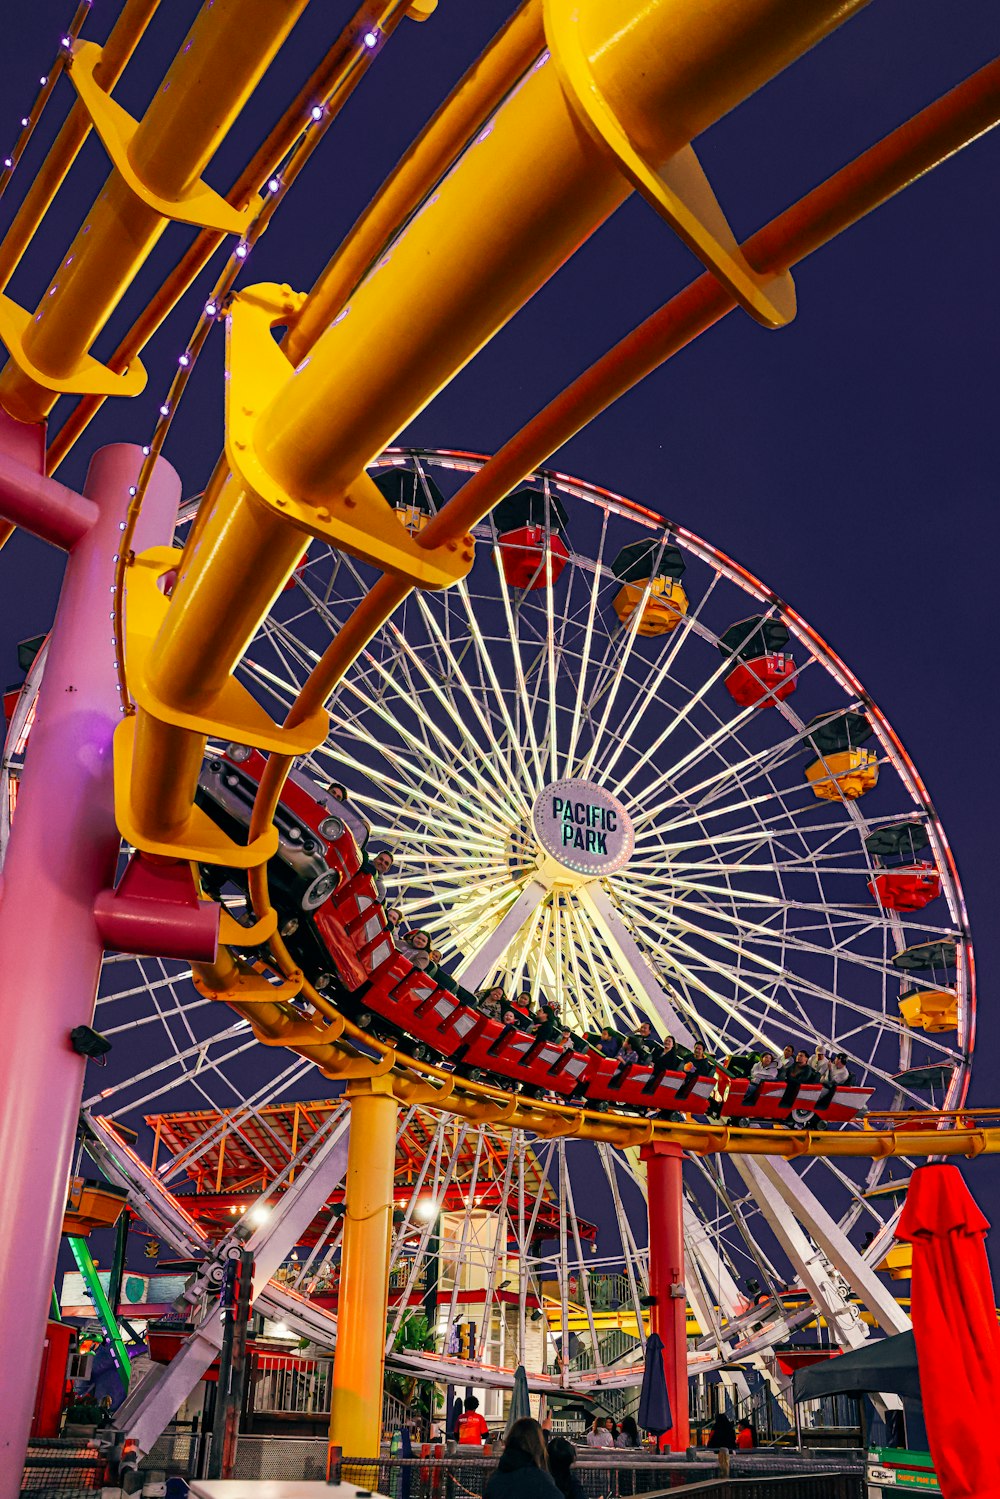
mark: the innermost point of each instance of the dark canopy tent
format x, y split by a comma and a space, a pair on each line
885, 1366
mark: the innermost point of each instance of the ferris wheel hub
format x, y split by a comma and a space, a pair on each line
584, 831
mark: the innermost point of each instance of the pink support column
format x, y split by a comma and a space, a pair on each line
62, 853
668, 1313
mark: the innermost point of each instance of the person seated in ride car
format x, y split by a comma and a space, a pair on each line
787, 1060
491, 1002
394, 917
672, 1058
609, 1043
839, 1076
764, 1069
798, 1073
379, 867
439, 974
820, 1063
645, 1043
627, 1054
549, 1027
699, 1065
415, 944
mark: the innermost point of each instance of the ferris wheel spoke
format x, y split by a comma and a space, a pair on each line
526, 719
485, 960
481, 755
636, 971
741, 773
469, 776
473, 702
648, 693
494, 691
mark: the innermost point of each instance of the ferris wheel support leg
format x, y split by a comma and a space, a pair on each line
359, 1362
668, 1313
62, 852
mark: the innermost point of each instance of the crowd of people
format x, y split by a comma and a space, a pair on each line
534, 1464
637, 1045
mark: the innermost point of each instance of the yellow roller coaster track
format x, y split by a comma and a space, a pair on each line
569, 92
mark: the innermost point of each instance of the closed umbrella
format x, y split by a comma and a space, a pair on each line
955, 1330
519, 1406
654, 1404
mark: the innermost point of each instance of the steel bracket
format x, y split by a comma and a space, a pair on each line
359, 521
252, 986
678, 189
88, 377
201, 205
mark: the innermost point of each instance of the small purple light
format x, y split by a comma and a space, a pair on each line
210, 309
146, 452
184, 361
165, 409
67, 41
274, 184
43, 81
317, 111
7, 162
25, 122
370, 39
242, 251
132, 490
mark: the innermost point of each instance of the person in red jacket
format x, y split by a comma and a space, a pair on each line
744, 1437
472, 1429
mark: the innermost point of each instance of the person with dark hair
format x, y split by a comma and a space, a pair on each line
416, 945
744, 1437
472, 1430
379, 867
562, 1456
629, 1434
599, 1435
723, 1433
523, 1469
609, 1045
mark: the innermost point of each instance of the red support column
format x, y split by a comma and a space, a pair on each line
668, 1313
62, 853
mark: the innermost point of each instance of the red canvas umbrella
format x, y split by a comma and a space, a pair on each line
955, 1329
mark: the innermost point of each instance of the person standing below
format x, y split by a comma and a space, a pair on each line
723, 1433
523, 1469
472, 1430
744, 1437
629, 1434
562, 1456
599, 1434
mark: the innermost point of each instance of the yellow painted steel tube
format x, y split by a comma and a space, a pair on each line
224, 56
432, 153
358, 1365
531, 189
122, 41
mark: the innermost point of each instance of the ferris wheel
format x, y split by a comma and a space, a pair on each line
616, 774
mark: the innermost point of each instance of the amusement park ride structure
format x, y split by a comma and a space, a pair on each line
572, 108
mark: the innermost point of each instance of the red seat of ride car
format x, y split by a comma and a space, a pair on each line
845, 1104
907, 889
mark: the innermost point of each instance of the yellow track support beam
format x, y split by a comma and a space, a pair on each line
227, 51
358, 1366
532, 187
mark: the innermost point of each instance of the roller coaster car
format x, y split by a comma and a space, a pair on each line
332, 918
769, 1100
528, 525
762, 674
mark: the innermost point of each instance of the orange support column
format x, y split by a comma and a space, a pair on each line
358, 1366
668, 1313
